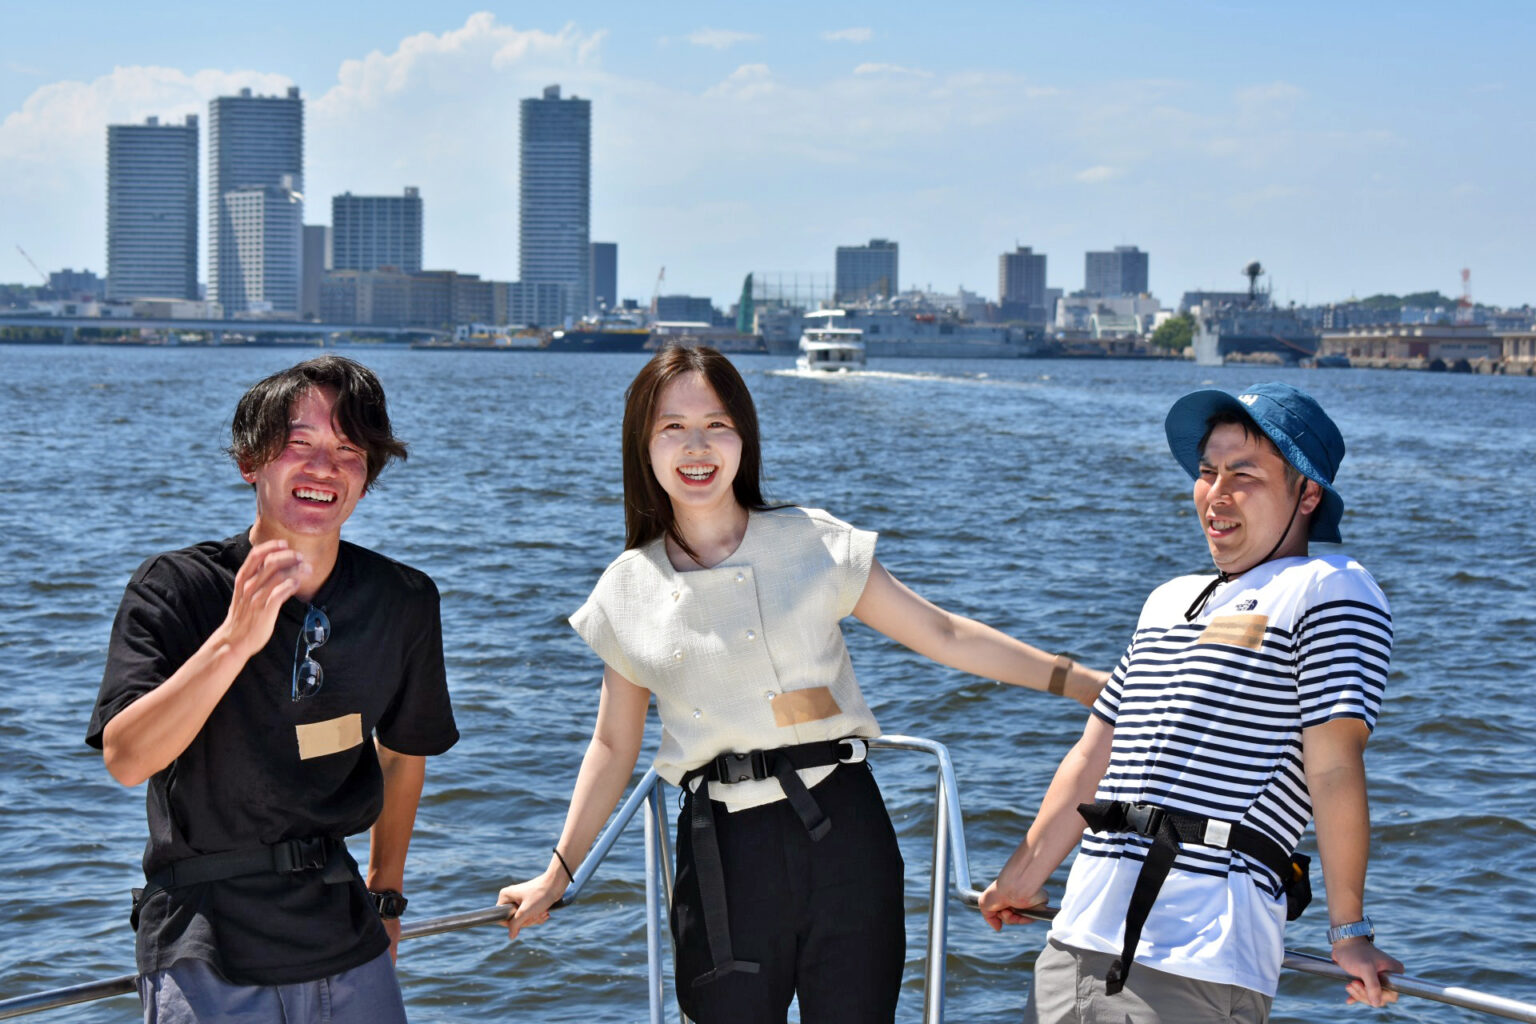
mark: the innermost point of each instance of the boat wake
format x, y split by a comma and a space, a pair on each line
916, 375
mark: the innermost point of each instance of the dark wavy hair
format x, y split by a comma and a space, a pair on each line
647, 509
260, 428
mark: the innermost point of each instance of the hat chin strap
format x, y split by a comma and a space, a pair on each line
1222, 576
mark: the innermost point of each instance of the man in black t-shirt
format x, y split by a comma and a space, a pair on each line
279, 690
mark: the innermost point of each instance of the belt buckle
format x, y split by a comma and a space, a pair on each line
858, 750
1144, 819
749, 767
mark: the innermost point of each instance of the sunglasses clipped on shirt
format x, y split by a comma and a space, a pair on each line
308, 676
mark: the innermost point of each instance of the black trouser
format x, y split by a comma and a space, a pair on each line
824, 920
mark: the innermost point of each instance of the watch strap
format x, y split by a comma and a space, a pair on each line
1353, 930
388, 902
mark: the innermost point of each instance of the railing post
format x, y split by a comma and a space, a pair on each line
653, 842
938, 909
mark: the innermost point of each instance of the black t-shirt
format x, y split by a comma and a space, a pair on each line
244, 781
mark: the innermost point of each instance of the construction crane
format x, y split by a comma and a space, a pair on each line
656, 291
34, 265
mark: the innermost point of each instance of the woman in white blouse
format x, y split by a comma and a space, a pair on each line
728, 611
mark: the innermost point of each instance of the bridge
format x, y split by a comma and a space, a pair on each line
216, 330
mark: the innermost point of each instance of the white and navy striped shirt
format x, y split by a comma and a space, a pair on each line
1208, 718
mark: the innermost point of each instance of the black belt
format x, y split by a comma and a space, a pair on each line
1168, 829
779, 763
287, 857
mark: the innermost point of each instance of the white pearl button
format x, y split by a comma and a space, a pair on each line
676, 594
677, 655
751, 635
741, 577
697, 713
769, 694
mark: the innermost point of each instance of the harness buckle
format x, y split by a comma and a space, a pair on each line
858, 750
1144, 819
299, 855
751, 766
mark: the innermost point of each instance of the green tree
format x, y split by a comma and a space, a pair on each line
1175, 333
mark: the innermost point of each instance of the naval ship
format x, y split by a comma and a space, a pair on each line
1241, 330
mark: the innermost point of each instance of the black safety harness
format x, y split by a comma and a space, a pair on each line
1167, 829
780, 763
291, 856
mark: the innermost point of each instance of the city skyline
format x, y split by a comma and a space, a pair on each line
1351, 153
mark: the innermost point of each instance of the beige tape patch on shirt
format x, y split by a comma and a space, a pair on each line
797, 707
1236, 631
317, 739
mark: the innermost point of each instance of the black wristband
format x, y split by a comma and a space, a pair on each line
561, 857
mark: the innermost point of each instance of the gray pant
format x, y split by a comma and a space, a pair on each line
192, 992
1069, 989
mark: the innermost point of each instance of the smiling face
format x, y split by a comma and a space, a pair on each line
310, 487
694, 448
1245, 502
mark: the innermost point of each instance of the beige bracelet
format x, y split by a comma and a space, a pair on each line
1059, 673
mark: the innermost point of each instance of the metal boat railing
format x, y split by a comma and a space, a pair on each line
949, 856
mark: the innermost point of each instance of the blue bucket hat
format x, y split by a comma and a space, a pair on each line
1289, 417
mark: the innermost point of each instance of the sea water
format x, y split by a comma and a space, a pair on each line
1038, 496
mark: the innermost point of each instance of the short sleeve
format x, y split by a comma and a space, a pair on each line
419, 721
1343, 649
153, 634
593, 626
859, 557
1107, 705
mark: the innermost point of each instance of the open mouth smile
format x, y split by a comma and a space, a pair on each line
697, 474
310, 494
1220, 527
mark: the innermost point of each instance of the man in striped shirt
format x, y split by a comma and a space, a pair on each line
1239, 712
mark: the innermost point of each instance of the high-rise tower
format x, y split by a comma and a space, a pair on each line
867, 271
369, 232
152, 210
1110, 274
556, 196
255, 202
1021, 291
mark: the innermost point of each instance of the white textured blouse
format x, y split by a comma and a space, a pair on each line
745, 655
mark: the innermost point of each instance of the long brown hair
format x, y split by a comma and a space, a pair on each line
647, 509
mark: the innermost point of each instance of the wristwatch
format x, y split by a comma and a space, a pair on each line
388, 902
1353, 930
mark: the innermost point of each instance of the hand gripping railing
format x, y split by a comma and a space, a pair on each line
949, 852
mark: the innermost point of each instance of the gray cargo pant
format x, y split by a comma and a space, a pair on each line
192, 992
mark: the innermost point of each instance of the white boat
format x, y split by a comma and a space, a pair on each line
910, 329
831, 349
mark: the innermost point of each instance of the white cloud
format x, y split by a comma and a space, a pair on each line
748, 82
425, 64
720, 38
890, 69
1097, 174
1269, 91
849, 35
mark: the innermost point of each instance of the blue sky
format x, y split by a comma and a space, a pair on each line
1353, 148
